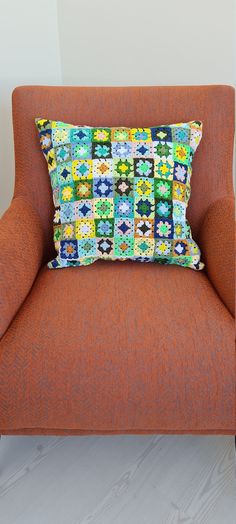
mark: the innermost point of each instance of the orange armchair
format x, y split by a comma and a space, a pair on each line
118, 347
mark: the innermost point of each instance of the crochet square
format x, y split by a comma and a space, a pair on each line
121, 193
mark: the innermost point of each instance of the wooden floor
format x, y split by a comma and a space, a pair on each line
117, 480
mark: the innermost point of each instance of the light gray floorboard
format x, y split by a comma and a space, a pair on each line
159, 479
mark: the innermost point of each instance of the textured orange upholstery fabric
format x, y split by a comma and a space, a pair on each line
149, 355
218, 245
156, 353
21, 241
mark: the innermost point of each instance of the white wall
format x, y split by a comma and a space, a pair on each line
109, 42
29, 54
147, 41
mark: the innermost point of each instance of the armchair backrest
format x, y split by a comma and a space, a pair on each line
132, 107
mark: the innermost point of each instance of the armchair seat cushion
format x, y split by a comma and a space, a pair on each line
117, 347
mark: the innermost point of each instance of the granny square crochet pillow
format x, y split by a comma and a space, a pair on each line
121, 193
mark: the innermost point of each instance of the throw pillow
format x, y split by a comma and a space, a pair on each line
121, 193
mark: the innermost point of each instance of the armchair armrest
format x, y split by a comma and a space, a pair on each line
217, 241
21, 253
